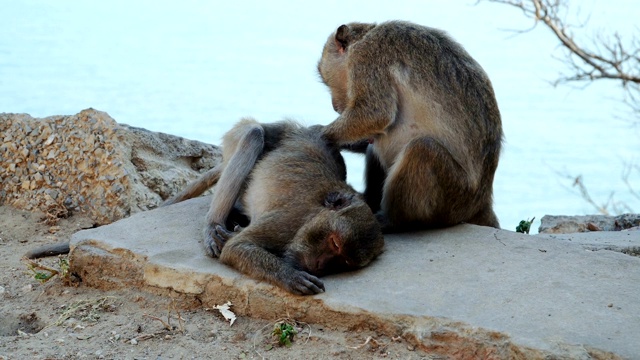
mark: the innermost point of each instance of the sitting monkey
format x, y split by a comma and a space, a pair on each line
425, 113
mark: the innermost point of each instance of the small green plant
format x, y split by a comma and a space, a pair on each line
525, 226
285, 332
280, 333
44, 273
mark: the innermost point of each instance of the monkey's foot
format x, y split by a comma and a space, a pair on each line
213, 242
216, 235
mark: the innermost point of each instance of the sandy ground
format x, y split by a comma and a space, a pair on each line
53, 320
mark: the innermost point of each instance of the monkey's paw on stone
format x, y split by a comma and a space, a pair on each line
213, 243
302, 283
216, 236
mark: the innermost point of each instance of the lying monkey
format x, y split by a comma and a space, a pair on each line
304, 219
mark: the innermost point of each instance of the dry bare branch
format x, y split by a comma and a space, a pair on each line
610, 57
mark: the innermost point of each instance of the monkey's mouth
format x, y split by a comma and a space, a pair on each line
312, 265
334, 265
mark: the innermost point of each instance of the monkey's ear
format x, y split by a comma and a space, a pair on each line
336, 200
334, 242
342, 38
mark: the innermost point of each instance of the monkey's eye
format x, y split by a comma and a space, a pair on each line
336, 201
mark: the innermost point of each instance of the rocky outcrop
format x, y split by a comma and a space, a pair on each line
552, 224
89, 163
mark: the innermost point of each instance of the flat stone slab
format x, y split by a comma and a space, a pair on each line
463, 292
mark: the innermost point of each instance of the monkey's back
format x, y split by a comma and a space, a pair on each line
447, 70
295, 176
442, 92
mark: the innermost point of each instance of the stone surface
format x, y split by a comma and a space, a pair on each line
561, 224
466, 292
624, 241
87, 162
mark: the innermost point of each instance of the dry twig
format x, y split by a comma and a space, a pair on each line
610, 57
167, 324
369, 340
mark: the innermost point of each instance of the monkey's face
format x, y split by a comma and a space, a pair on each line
337, 239
333, 65
332, 69
361, 234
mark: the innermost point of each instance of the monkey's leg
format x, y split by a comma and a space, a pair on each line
372, 108
374, 180
245, 252
485, 217
229, 186
426, 188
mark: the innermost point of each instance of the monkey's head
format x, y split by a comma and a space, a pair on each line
332, 66
344, 235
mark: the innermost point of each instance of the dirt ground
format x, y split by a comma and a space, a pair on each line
56, 321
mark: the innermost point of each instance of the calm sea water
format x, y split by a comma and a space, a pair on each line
193, 68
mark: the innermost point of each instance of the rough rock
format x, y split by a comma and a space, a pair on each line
87, 162
466, 292
560, 224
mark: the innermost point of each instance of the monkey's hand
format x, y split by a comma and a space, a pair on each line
302, 283
216, 236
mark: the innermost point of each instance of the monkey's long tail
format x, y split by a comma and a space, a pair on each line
197, 187
48, 250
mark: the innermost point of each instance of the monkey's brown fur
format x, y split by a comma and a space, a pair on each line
305, 220
430, 115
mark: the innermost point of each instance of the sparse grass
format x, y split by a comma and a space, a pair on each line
87, 310
167, 324
44, 273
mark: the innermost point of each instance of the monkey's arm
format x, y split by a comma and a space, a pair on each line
197, 187
246, 252
48, 250
371, 107
248, 149
359, 147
